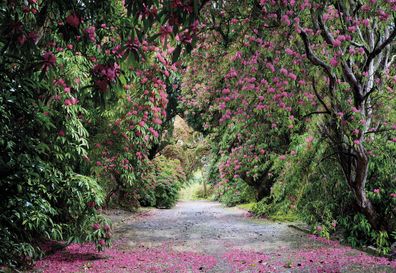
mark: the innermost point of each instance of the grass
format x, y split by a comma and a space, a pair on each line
282, 217
248, 206
277, 216
189, 192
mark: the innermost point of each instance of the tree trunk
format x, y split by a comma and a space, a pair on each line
262, 185
355, 168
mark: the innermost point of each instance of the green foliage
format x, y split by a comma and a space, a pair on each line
199, 193
166, 179
238, 193
247, 206
311, 186
71, 76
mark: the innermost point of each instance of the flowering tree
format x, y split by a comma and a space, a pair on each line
286, 65
352, 44
64, 66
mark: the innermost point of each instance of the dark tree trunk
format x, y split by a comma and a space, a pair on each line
262, 184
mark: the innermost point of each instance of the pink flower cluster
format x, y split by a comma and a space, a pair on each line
105, 74
49, 60
73, 20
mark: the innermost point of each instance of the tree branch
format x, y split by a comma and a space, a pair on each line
312, 57
318, 96
378, 50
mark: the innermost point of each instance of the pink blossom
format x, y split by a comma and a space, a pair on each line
90, 31
292, 76
285, 20
49, 59
337, 43
309, 139
73, 20
366, 22
334, 62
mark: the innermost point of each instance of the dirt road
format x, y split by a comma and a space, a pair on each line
238, 243
201, 236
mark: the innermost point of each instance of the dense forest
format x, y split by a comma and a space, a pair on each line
290, 106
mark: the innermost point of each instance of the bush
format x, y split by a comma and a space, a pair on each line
199, 193
166, 194
310, 185
238, 193
164, 181
64, 210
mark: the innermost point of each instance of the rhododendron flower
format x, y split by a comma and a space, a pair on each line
366, 22
73, 20
376, 190
319, 228
292, 76
61, 133
101, 242
101, 85
337, 43
165, 31
91, 204
285, 20
309, 139
49, 60
154, 132
96, 226
356, 141
33, 36
90, 31
334, 62
21, 39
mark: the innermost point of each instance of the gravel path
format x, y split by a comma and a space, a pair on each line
208, 227
232, 238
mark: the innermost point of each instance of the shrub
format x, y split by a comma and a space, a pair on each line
164, 181
238, 193
166, 194
55, 206
200, 191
